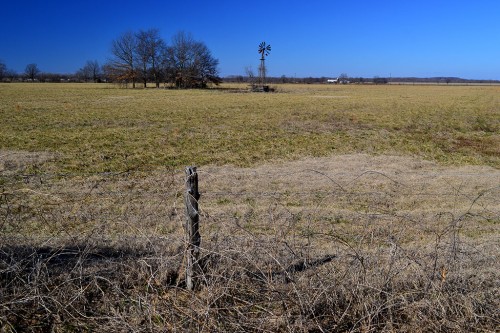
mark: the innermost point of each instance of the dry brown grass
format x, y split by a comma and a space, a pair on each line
363, 239
349, 243
99, 128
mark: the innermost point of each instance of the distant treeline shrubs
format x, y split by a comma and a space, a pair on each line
358, 80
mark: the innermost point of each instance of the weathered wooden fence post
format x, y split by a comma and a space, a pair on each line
192, 226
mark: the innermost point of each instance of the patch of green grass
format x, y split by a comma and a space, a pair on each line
104, 128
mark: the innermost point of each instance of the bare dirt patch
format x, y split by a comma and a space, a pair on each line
12, 162
328, 96
417, 185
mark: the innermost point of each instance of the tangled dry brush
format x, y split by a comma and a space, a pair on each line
394, 244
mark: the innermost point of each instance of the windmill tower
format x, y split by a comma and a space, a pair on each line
264, 51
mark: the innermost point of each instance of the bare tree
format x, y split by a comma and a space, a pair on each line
91, 71
250, 74
122, 66
10, 75
343, 78
191, 62
178, 58
93, 68
3, 70
205, 64
143, 55
158, 48
32, 71
149, 49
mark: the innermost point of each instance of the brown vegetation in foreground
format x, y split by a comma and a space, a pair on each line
351, 243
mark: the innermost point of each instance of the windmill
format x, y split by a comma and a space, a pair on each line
264, 50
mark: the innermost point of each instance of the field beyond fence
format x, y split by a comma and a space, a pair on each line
322, 209
101, 128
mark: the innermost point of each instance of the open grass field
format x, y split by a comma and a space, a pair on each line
324, 208
102, 128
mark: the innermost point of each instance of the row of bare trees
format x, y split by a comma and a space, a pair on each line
145, 57
31, 72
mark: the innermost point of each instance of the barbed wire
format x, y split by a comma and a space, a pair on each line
12, 184
176, 171
121, 228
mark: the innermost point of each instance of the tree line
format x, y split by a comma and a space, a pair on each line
140, 57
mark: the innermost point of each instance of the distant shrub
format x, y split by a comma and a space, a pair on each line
380, 80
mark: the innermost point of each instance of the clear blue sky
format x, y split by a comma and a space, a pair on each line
309, 38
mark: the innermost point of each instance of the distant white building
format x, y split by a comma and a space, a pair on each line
335, 81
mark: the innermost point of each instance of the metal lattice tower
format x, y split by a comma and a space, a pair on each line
264, 51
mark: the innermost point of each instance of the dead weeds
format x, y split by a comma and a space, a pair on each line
350, 243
